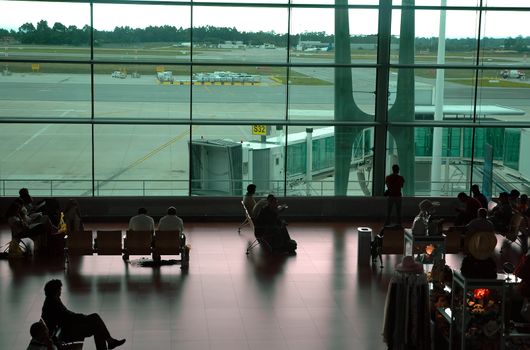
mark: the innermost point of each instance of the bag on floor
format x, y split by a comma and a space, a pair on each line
17, 249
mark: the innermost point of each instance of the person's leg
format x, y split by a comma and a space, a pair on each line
97, 328
398, 203
389, 205
288, 243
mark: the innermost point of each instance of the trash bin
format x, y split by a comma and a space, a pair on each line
364, 238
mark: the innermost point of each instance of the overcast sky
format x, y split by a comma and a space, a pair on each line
107, 16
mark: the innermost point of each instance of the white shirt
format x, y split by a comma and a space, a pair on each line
142, 222
171, 223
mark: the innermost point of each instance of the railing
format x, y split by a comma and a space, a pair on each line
315, 188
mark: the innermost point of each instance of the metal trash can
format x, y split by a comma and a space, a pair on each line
364, 238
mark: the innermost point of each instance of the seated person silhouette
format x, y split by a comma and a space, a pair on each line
171, 222
501, 214
271, 229
142, 221
248, 199
40, 337
74, 326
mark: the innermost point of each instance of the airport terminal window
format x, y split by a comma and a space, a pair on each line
244, 93
167, 80
439, 166
321, 141
503, 94
500, 152
461, 39
138, 160
222, 34
44, 90
52, 159
162, 33
312, 93
141, 92
219, 152
55, 32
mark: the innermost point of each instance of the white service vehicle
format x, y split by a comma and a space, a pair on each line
513, 73
118, 74
166, 76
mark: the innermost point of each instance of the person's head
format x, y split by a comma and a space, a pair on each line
52, 288
462, 196
24, 194
482, 213
251, 189
142, 210
475, 189
171, 211
395, 169
503, 197
523, 199
271, 200
39, 331
514, 194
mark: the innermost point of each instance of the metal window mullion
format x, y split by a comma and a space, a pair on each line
287, 88
190, 126
381, 97
92, 97
475, 97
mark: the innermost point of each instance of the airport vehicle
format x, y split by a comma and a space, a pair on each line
229, 77
513, 73
164, 77
118, 74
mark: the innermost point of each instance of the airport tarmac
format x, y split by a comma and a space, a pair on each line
154, 159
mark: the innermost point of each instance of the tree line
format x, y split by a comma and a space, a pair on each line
59, 34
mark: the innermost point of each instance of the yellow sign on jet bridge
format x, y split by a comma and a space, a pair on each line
259, 129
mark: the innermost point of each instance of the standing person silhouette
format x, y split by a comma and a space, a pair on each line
394, 183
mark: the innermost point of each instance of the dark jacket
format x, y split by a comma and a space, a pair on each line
55, 314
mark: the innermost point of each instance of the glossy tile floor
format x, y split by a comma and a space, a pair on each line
317, 299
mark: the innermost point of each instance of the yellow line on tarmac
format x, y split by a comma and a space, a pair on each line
159, 149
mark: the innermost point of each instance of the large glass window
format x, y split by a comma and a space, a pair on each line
225, 159
141, 160
141, 92
224, 34
244, 93
50, 159
204, 97
436, 162
45, 90
312, 160
135, 33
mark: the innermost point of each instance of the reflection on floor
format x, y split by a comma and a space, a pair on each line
318, 299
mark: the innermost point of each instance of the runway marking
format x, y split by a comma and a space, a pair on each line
144, 158
34, 136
